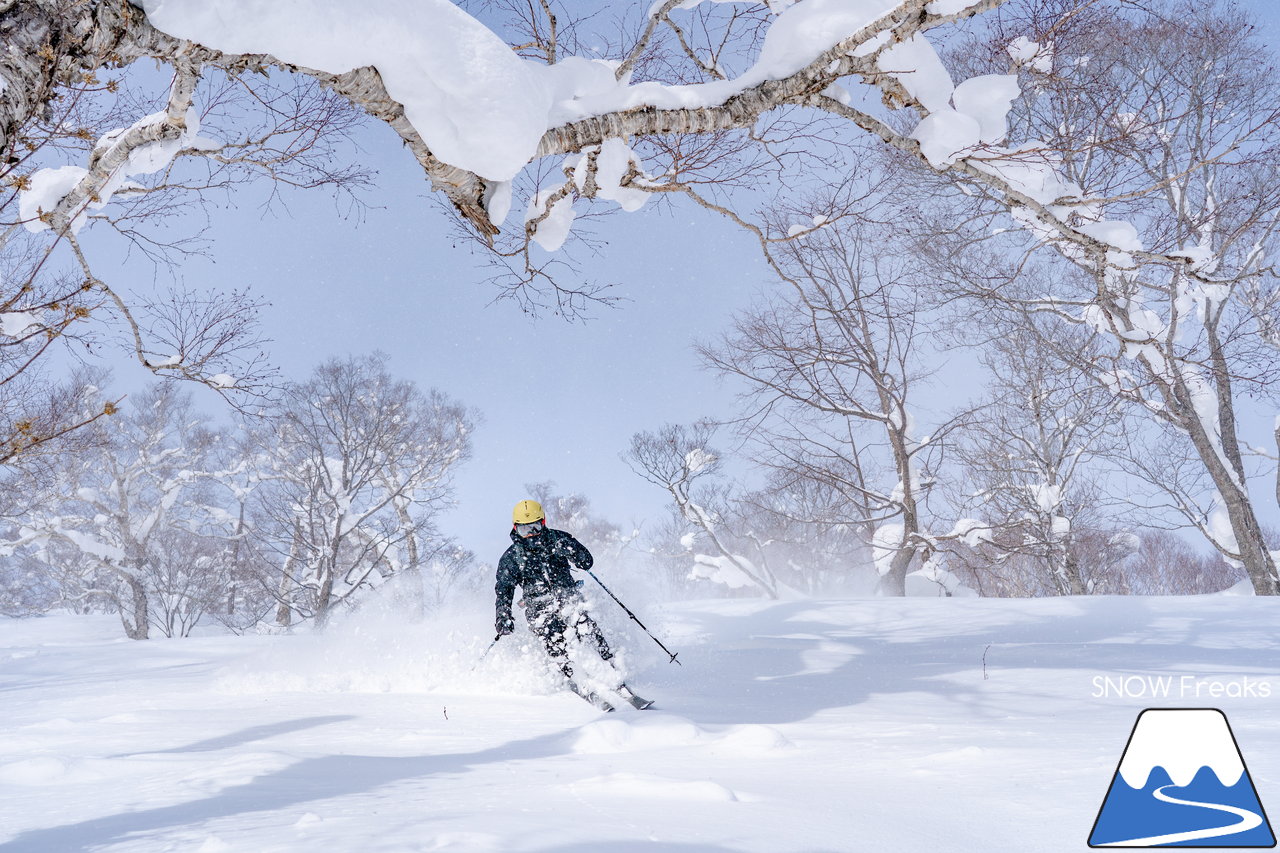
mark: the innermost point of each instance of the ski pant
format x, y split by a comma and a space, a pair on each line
552, 616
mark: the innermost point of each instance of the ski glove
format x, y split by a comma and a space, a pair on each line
505, 625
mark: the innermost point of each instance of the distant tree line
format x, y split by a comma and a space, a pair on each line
167, 520
158, 515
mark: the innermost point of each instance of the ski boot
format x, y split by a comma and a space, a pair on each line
637, 702
590, 696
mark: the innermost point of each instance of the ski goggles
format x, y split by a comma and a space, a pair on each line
527, 530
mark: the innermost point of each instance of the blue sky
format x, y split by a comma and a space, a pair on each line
559, 400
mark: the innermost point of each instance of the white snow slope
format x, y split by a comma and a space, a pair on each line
794, 726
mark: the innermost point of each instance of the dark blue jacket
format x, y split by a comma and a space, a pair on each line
541, 566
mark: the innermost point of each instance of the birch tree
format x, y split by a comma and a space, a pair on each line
720, 95
803, 518
1165, 563
1032, 457
364, 461
112, 525
82, 146
831, 371
232, 525
1166, 124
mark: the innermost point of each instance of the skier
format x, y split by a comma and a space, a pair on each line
539, 561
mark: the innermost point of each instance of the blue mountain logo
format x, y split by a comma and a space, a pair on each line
1182, 782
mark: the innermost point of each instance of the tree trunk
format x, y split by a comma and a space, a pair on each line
284, 611
327, 572
140, 628
1257, 559
1251, 546
1071, 572
324, 597
1254, 552
409, 588
235, 561
894, 581
1220, 453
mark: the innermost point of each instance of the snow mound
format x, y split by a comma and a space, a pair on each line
41, 770
750, 740
643, 785
1244, 587
64, 769
121, 745
234, 771
660, 732
669, 731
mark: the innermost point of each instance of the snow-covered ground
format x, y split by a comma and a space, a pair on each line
793, 726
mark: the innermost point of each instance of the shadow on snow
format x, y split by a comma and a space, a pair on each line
763, 676
249, 735
307, 781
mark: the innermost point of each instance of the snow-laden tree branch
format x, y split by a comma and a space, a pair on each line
679, 459
472, 111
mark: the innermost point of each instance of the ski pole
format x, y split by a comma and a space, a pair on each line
485, 654
635, 618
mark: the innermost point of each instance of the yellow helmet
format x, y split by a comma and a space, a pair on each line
527, 512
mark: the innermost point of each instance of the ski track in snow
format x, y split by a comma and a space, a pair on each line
793, 727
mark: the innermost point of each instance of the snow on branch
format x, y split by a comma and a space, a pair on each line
61, 198
476, 113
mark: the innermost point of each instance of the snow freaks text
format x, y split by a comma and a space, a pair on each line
1178, 687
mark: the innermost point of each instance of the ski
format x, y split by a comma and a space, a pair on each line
591, 697
637, 702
